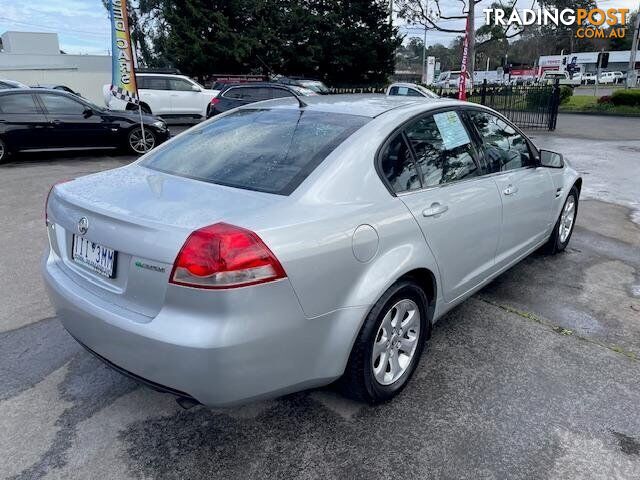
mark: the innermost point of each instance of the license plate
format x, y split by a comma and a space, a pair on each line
98, 258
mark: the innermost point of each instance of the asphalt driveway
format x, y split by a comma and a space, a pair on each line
536, 376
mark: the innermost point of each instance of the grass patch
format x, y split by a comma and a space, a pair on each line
589, 104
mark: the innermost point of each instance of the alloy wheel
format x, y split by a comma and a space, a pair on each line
567, 218
395, 342
139, 144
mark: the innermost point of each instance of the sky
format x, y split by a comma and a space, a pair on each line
83, 25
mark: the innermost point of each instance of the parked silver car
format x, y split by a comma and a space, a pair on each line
281, 246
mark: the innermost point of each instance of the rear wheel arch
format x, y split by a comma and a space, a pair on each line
578, 185
427, 281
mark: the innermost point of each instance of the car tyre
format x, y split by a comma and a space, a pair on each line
563, 228
368, 376
4, 151
135, 141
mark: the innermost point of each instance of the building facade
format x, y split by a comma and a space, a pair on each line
34, 58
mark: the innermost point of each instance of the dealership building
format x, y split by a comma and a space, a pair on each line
35, 58
618, 61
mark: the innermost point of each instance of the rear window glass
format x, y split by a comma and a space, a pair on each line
256, 149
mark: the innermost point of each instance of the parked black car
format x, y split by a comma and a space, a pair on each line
310, 83
39, 120
238, 94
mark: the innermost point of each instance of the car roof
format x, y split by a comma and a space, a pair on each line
355, 104
254, 84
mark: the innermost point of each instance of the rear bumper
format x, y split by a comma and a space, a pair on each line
256, 344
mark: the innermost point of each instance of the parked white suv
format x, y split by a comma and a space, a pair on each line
166, 95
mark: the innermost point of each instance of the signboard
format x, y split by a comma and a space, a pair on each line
123, 81
462, 83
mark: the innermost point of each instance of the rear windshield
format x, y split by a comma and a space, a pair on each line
256, 149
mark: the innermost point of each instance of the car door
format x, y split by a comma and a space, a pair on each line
22, 121
432, 166
72, 123
526, 190
184, 99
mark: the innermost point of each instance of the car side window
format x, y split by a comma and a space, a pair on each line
156, 83
280, 93
413, 93
397, 166
180, 84
256, 94
393, 91
235, 93
18, 103
60, 105
443, 149
504, 148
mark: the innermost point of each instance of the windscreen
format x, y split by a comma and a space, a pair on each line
256, 149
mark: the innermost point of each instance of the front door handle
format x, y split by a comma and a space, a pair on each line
510, 190
55, 122
434, 210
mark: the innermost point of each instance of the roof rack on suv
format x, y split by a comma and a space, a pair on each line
166, 71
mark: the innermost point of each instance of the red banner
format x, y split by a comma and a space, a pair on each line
462, 83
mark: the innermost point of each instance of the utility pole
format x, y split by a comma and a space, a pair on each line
424, 48
471, 60
631, 74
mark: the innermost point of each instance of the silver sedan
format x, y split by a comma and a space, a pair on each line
285, 245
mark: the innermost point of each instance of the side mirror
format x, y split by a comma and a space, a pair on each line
87, 112
195, 88
551, 159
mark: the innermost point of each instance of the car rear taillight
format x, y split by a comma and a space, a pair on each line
215, 101
46, 202
224, 256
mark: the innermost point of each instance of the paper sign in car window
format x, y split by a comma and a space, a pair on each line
403, 90
451, 130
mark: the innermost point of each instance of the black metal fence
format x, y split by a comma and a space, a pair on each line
528, 106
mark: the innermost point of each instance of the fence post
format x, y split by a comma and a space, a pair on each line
483, 92
555, 103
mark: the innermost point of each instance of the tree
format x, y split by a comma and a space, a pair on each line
342, 41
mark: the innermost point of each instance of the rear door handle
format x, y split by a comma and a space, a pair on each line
434, 210
55, 122
510, 190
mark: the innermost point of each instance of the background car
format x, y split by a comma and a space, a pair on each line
450, 79
409, 90
316, 86
588, 78
166, 95
563, 78
236, 95
54, 86
39, 120
280, 248
4, 84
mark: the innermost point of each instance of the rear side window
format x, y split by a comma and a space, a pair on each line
18, 103
398, 167
154, 83
256, 149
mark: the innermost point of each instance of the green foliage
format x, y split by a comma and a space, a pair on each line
566, 93
343, 42
626, 97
